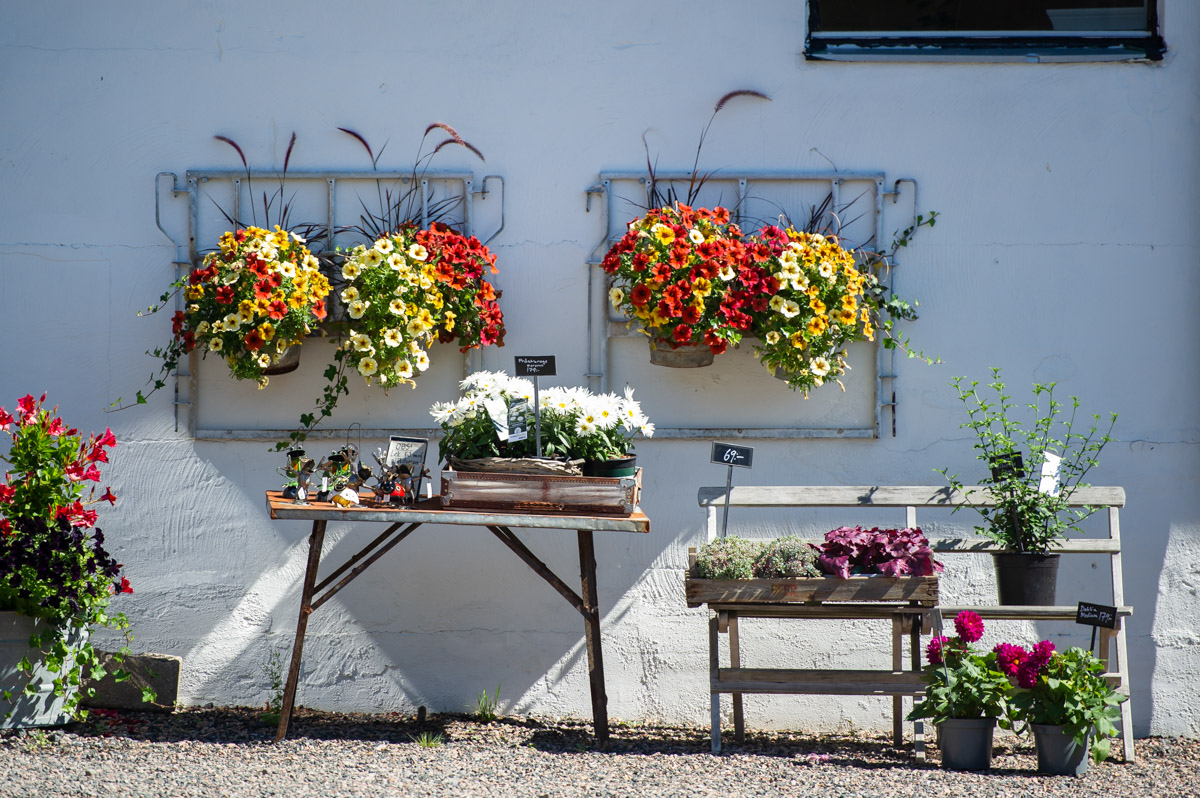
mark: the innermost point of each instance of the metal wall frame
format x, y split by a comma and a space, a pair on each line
603, 325
187, 389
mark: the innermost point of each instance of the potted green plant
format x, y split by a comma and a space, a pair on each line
1031, 512
1064, 699
56, 578
966, 694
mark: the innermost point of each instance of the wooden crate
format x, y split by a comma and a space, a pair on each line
922, 590
541, 493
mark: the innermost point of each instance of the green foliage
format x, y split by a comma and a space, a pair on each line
786, 557
727, 558
273, 668
1026, 519
1071, 692
53, 565
487, 707
427, 739
965, 685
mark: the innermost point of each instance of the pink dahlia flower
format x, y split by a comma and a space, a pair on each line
969, 626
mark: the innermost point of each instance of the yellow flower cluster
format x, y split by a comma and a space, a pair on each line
394, 303
259, 293
822, 304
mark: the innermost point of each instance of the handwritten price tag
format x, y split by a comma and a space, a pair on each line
539, 366
732, 455
1096, 615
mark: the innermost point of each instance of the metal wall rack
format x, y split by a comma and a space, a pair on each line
633, 188
320, 187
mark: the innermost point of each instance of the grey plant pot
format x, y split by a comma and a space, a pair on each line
1058, 754
966, 743
28, 710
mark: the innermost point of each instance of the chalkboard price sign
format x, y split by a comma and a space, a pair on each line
535, 366
732, 455
1096, 615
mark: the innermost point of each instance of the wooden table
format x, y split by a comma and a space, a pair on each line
402, 522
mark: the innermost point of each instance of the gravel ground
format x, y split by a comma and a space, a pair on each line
227, 752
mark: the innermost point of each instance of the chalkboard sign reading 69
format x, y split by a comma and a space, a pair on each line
732, 455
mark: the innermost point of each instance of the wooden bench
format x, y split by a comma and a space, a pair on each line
907, 621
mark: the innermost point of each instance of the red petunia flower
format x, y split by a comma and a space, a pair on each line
277, 309
253, 340
5, 527
319, 310
225, 295
6, 493
640, 295
683, 334
125, 586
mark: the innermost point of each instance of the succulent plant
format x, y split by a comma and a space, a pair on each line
727, 558
786, 557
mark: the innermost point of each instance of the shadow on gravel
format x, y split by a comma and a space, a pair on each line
244, 725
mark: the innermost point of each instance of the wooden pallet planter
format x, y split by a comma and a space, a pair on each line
541, 493
921, 590
917, 590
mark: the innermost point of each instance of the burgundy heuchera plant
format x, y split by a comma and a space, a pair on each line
892, 552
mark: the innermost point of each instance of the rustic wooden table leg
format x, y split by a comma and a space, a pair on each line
315, 541
898, 665
735, 661
587, 571
914, 645
714, 665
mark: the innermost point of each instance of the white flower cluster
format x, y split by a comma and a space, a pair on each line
591, 413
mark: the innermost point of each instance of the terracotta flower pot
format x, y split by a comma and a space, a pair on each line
688, 356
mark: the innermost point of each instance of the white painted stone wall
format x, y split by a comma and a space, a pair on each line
1067, 250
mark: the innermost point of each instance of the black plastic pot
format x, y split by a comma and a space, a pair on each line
1026, 579
1058, 753
966, 744
615, 467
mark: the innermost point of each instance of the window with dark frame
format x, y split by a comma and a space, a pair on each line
1022, 29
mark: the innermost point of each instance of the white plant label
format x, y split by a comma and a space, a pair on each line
1049, 483
498, 411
